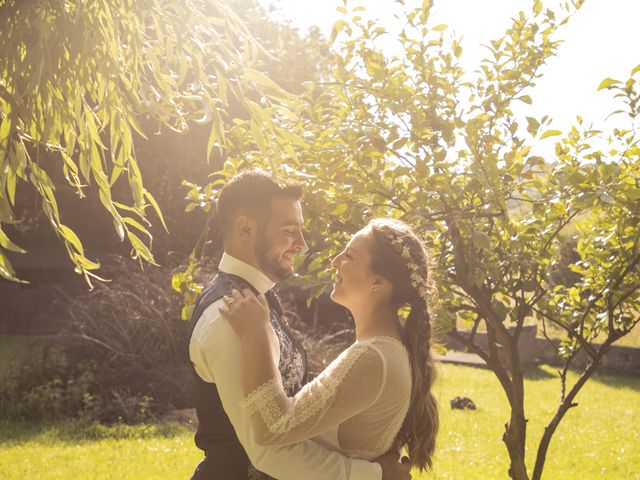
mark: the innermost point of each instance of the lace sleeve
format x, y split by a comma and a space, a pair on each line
347, 386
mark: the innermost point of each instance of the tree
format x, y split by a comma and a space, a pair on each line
78, 79
416, 137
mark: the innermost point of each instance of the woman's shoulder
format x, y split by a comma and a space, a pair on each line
387, 340
394, 356
376, 351
373, 354
385, 345
358, 358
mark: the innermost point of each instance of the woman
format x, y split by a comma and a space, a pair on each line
376, 396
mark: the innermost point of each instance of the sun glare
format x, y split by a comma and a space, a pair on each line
595, 41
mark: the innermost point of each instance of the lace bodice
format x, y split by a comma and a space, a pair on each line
360, 399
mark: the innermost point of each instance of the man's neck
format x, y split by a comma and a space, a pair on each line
241, 254
254, 275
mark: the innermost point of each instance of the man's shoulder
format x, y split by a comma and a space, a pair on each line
221, 284
209, 328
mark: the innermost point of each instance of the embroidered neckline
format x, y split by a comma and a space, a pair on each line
385, 338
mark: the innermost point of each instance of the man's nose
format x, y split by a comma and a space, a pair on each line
300, 242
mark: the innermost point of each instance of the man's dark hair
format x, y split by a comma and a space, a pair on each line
251, 192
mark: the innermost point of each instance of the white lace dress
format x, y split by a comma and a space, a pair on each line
355, 406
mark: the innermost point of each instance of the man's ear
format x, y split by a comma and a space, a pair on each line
246, 227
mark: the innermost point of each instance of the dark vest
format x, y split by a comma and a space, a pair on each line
215, 434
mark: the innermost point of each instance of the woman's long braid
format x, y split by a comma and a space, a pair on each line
396, 241
421, 423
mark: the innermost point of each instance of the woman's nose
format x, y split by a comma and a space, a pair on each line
334, 262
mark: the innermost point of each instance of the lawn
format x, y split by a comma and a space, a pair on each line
598, 439
75, 449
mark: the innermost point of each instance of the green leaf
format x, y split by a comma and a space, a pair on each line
481, 240
315, 264
11, 185
212, 139
87, 264
632, 193
8, 244
537, 7
7, 271
134, 223
338, 26
186, 312
607, 83
635, 70
70, 236
269, 85
156, 208
141, 249
550, 133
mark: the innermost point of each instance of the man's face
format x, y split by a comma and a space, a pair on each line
279, 238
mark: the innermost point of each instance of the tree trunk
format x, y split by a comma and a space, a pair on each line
515, 435
566, 404
515, 439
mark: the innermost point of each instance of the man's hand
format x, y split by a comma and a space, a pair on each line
391, 469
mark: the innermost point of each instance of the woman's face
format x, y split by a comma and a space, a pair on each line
353, 277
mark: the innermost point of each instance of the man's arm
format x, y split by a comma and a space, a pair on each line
216, 352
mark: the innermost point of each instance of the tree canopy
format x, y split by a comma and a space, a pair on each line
413, 135
410, 135
78, 77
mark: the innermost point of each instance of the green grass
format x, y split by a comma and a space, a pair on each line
76, 449
599, 439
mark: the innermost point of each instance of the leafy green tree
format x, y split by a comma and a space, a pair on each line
412, 135
79, 78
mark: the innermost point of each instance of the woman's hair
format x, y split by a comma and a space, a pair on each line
400, 256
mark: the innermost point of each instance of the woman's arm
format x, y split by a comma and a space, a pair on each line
349, 385
248, 314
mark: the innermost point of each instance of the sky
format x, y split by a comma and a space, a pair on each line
600, 41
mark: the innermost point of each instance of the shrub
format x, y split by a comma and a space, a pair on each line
47, 386
129, 330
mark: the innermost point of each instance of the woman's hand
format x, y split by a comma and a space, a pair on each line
247, 313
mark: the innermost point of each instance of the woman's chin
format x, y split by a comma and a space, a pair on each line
335, 296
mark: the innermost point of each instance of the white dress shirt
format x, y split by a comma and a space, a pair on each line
215, 351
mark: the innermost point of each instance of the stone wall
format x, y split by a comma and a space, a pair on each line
534, 350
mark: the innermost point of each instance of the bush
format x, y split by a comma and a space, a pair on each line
48, 387
129, 331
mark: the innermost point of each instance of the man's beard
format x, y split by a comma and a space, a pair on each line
269, 262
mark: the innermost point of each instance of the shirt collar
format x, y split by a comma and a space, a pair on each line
251, 274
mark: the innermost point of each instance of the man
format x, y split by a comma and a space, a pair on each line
261, 225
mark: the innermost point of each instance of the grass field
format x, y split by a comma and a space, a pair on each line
597, 440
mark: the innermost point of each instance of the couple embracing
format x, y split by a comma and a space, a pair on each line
258, 416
